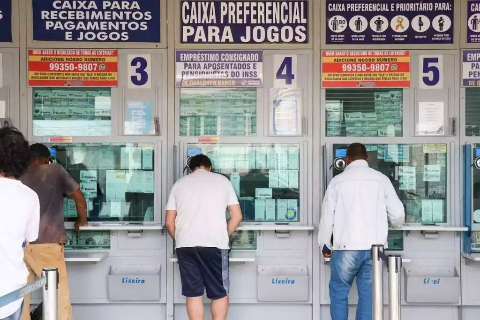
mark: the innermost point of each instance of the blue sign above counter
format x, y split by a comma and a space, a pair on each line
473, 21
96, 21
6, 21
244, 22
389, 22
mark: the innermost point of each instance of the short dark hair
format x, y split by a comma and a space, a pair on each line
14, 153
357, 151
39, 150
200, 160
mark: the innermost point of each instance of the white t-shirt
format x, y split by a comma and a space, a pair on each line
19, 222
201, 200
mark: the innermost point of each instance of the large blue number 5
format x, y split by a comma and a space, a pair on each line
429, 68
285, 71
141, 76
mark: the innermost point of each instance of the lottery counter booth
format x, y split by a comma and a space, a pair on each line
124, 92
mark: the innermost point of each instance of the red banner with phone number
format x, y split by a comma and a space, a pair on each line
72, 68
366, 68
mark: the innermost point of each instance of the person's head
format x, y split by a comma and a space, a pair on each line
356, 151
200, 161
40, 154
14, 153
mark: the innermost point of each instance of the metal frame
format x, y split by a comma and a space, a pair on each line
394, 264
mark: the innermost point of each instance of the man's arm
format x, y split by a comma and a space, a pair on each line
170, 222
325, 228
171, 215
81, 205
395, 208
31, 232
234, 210
235, 218
71, 188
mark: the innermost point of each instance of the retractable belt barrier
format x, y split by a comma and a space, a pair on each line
49, 283
394, 265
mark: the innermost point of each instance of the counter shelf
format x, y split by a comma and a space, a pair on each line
474, 257
80, 256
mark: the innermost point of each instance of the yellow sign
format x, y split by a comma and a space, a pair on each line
434, 148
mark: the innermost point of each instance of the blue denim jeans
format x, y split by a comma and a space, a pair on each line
346, 266
16, 315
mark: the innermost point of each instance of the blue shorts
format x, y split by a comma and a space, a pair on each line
204, 269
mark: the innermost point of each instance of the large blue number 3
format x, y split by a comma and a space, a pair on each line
430, 69
285, 71
141, 76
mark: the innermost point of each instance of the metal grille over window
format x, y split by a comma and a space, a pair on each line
364, 112
472, 112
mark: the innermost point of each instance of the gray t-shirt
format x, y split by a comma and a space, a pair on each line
50, 182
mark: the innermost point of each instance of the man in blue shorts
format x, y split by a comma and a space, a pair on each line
196, 219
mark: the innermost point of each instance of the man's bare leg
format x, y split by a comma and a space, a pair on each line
195, 308
219, 309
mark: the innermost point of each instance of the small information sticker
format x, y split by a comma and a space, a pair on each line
434, 148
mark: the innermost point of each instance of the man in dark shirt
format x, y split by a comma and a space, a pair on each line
51, 182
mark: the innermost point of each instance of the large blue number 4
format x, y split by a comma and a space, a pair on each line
285, 71
429, 68
141, 76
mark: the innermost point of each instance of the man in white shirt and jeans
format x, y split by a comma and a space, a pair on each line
196, 220
357, 207
19, 217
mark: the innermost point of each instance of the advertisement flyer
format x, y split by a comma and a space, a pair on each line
431, 173
471, 68
431, 120
6, 21
243, 22
219, 68
389, 22
72, 68
357, 69
139, 118
285, 120
96, 20
397, 153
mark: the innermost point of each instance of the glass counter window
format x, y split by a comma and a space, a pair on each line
265, 177
364, 112
72, 112
395, 240
475, 245
476, 187
418, 173
88, 240
218, 112
241, 240
118, 180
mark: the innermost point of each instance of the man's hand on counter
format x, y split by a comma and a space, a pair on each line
79, 223
326, 252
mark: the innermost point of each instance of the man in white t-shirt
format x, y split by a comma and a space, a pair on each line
196, 220
19, 217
